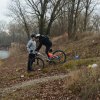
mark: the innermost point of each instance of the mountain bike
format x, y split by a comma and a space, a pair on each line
58, 57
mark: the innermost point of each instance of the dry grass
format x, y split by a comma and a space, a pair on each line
88, 85
16, 65
81, 63
79, 85
45, 91
88, 35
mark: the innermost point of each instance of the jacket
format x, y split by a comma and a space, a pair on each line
43, 40
31, 46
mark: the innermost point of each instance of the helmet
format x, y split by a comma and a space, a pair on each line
32, 35
37, 35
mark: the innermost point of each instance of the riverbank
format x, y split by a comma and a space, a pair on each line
4, 54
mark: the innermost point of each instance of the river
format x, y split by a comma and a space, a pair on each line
4, 54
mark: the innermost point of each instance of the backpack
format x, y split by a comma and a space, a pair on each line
45, 36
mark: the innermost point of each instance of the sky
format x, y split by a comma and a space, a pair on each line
4, 10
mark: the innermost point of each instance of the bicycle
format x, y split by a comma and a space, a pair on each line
58, 57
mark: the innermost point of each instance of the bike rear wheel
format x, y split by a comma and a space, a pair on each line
38, 64
59, 56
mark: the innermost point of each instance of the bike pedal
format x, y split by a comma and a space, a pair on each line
48, 60
39, 69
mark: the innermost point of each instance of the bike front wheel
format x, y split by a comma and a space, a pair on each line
38, 64
59, 56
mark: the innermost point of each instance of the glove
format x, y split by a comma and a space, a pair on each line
31, 51
36, 52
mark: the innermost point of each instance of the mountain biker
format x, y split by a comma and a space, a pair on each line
31, 47
44, 40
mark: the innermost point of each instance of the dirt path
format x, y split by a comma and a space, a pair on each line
59, 37
12, 89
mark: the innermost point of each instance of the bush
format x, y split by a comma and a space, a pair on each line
73, 64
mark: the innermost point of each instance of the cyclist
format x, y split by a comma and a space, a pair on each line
31, 47
44, 40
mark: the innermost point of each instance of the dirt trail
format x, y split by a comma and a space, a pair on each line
5, 91
65, 35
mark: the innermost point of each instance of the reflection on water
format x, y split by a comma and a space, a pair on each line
4, 54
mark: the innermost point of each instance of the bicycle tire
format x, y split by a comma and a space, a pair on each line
39, 63
64, 56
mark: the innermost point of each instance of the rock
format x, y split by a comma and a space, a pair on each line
89, 66
94, 65
22, 76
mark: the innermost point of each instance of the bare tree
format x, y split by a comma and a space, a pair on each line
46, 11
96, 23
71, 8
71, 16
3, 26
55, 13
20, 15
77, 11
89, 7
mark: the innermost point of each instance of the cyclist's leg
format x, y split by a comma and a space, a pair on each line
30, 61
47, 50
33, 59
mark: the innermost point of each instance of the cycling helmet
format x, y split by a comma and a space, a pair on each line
37, 35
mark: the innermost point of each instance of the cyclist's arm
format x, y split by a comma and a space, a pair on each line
39, 47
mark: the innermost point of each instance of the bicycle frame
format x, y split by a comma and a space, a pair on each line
58, 56
55, 58
46, 58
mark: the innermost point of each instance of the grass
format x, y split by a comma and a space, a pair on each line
43, 91
16, 66
76, 64
82, 84
88, 84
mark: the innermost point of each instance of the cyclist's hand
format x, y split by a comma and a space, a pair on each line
36, 53
31, 51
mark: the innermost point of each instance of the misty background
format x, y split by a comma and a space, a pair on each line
20, 18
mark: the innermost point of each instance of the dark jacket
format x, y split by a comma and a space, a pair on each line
44, 40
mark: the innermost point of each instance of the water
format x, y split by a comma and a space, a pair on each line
4, 54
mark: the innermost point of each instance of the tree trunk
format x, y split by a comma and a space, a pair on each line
75, 19
53, 15
27, 30
41, 25
70, 21
86, 15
